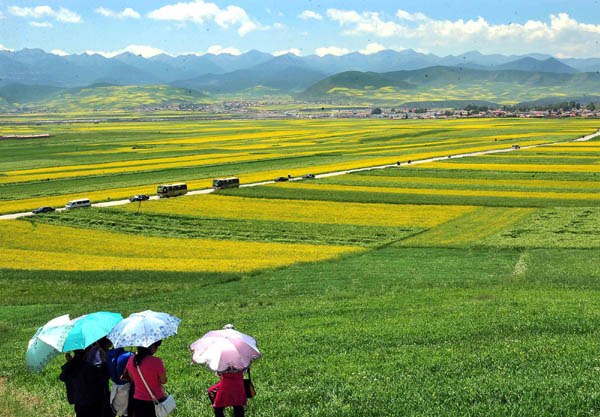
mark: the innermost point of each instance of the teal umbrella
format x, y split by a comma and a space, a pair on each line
47, 342
89, 329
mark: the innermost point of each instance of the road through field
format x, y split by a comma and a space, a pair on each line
332, 174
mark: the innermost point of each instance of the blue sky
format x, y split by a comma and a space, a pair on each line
557, 27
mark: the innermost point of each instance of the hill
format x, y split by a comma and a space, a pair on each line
112, 97
536, 65
451, 83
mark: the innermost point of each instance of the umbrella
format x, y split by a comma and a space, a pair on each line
47, 342
225, 350
90, 328
143, 329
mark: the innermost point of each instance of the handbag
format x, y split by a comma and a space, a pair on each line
249, 386
119, 398
164, 408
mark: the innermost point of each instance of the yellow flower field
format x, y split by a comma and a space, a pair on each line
328, 212
426, 191
514, 167
48, 247
551, 184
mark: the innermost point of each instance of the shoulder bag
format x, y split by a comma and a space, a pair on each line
162, 409
249, 386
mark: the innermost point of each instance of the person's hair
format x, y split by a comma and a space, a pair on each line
142, 352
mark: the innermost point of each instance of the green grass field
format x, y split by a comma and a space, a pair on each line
461, 299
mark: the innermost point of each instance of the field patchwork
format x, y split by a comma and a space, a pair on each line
35, 246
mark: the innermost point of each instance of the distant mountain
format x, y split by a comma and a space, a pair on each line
584, 65
36, 67
450, 84
535, 65
584, 99
285, 73
256, 71
21, 93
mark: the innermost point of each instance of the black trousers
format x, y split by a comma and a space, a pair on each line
238, 411
92, 410
143, 408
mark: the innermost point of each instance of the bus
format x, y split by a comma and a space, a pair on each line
221, 183
171, 190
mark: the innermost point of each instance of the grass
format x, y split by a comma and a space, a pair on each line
155, 224
492, 311
395, 331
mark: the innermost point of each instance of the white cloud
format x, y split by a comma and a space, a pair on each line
294, 51
61, 15
199, 11
331, 50
309, 14
2, 15
41, 24
143, 50
372, 48
127, 12
560, 35
365, 22
404, 15
218, 49
59, 52
4, 48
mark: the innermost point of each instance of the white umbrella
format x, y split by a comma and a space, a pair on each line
143, 329
225, 350
47, 342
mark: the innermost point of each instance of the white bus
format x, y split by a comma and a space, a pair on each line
171, 190
221, 183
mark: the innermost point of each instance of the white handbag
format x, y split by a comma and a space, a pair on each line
162, 409
119, 398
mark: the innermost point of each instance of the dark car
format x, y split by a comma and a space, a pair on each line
281, 179
308, 176
44, 209
139, 197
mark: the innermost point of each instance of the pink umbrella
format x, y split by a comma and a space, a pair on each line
225, 350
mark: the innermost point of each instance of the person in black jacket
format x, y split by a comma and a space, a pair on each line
87, 385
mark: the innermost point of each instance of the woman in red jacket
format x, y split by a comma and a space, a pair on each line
229, 392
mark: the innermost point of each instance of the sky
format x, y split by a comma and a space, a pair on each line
303, 27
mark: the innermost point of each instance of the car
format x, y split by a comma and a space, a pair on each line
516, 147
139, 197
281, 179
308, 176
44, 209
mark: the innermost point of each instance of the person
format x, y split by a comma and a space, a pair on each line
121, 394
86, 384
229, 392
153, 371
96, 355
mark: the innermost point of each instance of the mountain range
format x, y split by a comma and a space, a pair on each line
226, 73
31, 79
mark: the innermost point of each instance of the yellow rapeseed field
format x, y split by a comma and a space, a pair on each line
550, 184
514, 167
328, 212
431, 191
47, 247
